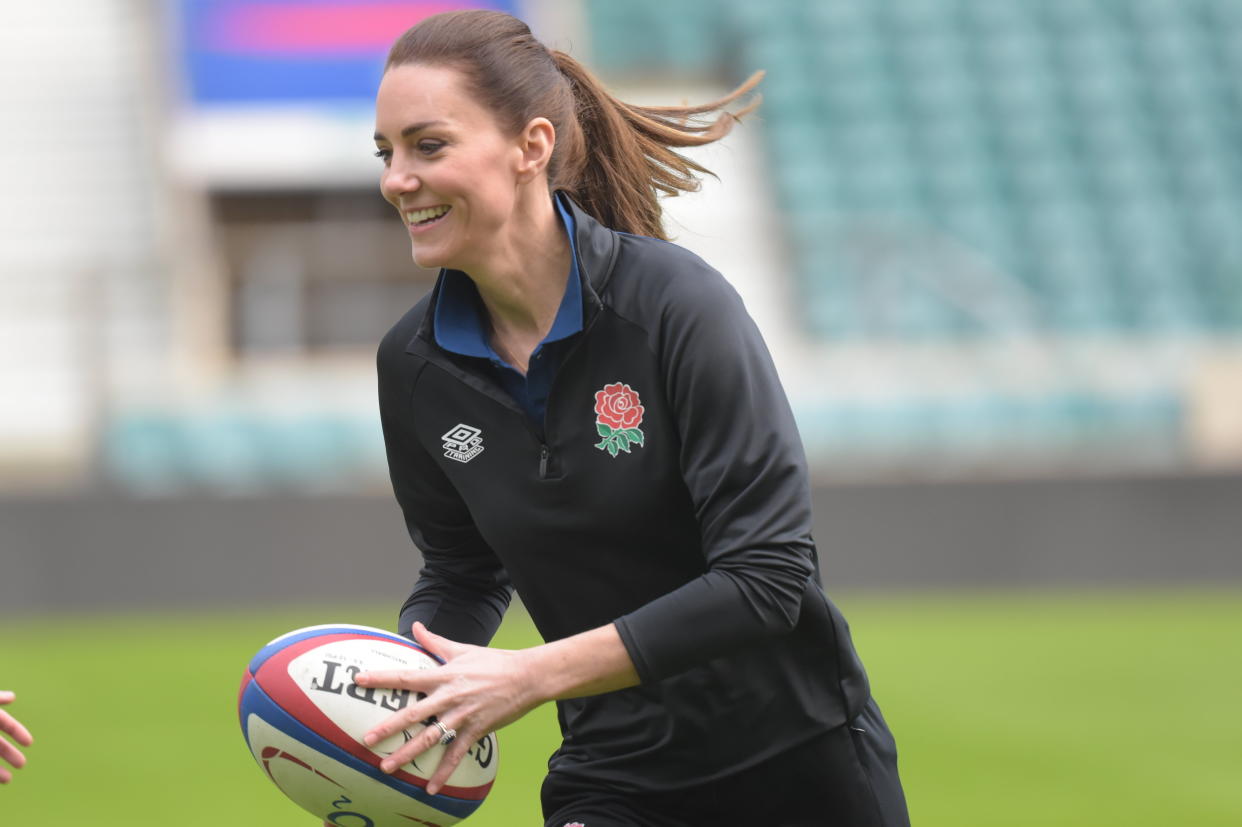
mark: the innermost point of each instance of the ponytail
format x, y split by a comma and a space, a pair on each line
615, 159
626, 156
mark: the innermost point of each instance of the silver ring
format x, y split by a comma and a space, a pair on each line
447, 734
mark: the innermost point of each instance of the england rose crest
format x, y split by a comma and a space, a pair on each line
618, 413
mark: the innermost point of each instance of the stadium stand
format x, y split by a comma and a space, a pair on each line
1085, 153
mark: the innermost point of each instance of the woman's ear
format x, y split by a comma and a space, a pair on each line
536, 143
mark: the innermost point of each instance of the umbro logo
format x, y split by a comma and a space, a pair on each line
463, 443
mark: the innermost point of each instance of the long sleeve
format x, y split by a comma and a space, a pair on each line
743, 464
463, 590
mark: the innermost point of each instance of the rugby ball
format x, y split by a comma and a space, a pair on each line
303, 718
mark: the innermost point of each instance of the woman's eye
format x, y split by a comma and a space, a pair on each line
428, 147
383, 154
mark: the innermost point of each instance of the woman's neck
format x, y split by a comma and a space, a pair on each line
523, 288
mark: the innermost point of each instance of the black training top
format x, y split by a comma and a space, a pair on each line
668, 494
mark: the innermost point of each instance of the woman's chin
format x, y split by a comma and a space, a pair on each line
427, 259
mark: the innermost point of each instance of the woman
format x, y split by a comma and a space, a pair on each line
586, 413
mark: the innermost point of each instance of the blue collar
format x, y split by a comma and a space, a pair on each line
459, 314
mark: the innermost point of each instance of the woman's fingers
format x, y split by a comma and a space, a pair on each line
448, 762
8, 752
407, 719
11, 754
13, 727
419, 680
442, 647
416, 746
424, 682
476, 690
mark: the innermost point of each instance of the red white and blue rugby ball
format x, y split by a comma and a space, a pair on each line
303, 718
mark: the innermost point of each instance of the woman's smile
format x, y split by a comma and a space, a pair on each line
423, 219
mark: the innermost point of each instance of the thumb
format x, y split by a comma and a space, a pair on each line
436, 645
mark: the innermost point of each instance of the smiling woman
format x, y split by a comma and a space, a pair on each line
553, 414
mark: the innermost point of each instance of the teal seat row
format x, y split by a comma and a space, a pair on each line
162, 452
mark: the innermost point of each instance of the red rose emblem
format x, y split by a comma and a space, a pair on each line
618, 413
618, 407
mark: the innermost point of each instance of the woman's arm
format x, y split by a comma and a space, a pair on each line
745, 470
462, 590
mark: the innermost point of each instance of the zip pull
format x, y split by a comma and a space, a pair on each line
543, 462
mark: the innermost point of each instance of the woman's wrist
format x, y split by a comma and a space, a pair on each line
590, 663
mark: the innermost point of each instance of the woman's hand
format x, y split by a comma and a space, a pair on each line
14, 729
477, 690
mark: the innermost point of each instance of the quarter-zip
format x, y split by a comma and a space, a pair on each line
544, 451
595, 251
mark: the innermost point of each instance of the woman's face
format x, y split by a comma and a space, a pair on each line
448, 168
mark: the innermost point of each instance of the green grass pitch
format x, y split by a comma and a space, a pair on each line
1010, 708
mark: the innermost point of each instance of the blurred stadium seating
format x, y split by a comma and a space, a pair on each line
1088, 149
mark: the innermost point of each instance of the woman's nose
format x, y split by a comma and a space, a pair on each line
398, 180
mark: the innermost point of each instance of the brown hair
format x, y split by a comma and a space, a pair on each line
614, 158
